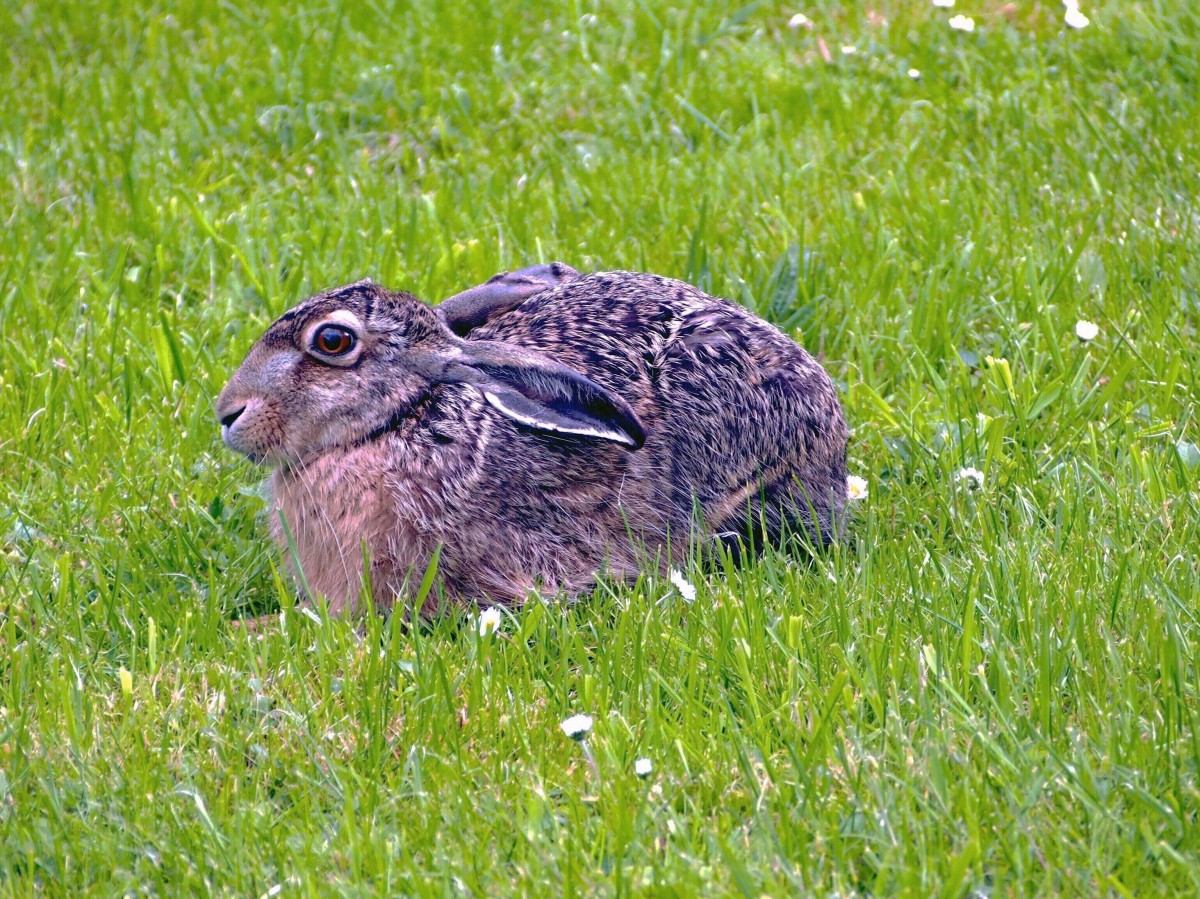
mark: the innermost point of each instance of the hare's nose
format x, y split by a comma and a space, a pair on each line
230, 417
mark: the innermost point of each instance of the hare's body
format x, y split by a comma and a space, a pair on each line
430, 483
740, 421
692, 417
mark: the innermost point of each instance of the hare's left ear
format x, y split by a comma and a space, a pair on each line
502, 293
541, 394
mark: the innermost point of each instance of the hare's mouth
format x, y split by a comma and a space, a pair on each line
230, 438
246, 428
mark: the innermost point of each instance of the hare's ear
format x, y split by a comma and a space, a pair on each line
500, 294
544, 395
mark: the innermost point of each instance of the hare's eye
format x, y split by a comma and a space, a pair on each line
332, 340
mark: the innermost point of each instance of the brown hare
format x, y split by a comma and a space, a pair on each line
535, 432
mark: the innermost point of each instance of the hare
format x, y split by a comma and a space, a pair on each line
532, 433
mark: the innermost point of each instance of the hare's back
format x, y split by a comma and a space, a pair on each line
738, 416
624, 329
605, 324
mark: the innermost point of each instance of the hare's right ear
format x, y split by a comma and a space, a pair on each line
541, 394
502, 293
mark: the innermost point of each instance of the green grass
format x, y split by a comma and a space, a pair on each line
989, 692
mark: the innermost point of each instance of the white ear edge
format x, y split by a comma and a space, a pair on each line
542, 425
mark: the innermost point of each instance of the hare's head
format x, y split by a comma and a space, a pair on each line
350, 364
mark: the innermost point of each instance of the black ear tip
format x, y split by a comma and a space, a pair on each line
637, 434
620, 416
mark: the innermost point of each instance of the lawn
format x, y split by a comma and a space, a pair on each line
990, 689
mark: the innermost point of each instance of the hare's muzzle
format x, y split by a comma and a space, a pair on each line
229, 418
239, 432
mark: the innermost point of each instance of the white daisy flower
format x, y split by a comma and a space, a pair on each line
577, 727
643, 767
1086, 330
799, 20
914, 74
972, 477
856, 487
1074, 18
943, 4
686, 590
489, 621
962, 23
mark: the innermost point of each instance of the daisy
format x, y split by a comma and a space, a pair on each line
1086, 330
973, 477
686, 590
962, 23
489, 621
856, 487
643, 767
577, 727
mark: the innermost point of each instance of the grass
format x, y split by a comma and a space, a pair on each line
985, 692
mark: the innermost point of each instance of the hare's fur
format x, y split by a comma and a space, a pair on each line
512, 449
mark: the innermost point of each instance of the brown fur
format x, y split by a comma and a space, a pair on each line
414, 446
